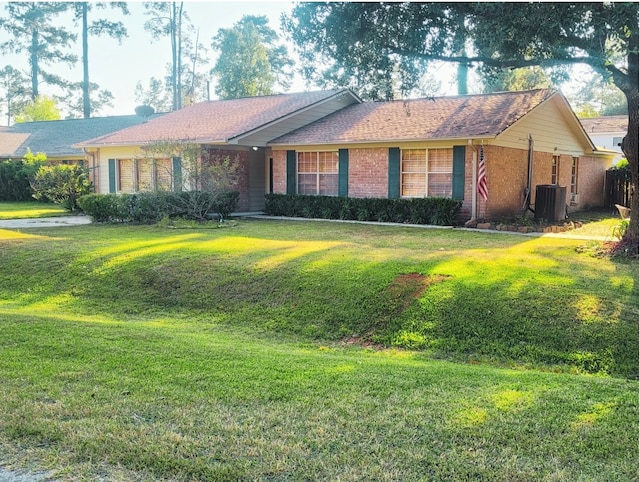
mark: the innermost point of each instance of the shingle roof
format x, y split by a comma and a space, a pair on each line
611, 123
10, 142
57, 138
484, 115
214, 121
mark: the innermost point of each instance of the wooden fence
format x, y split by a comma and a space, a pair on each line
618, 187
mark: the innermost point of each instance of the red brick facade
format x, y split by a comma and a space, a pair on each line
507, 174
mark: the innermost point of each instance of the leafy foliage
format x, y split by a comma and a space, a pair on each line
62, 184
250, 62
42, 108
15, 178
151, 207
201, 180
436, 211
32, 30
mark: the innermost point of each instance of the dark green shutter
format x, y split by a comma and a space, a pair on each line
394, 172
291, 172
112, 175
457, 182
177, 174
343, 172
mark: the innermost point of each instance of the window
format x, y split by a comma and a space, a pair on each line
125, 175
574, 176
318, 173
554, 169
153, 174
426, 172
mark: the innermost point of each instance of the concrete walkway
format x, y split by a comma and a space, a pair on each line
81, 219
566, 235
44, 222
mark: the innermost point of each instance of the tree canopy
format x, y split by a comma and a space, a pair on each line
250, 61
42, 108
373, 45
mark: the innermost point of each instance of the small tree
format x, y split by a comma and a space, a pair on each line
200, 183
62, 184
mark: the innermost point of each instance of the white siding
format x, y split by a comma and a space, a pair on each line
551, 132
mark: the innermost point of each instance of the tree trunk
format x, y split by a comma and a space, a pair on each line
174, 56
34, 64
630, 141
86, 102
630, 149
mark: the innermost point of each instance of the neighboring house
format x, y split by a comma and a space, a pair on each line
56, 138
333, 143
607, 132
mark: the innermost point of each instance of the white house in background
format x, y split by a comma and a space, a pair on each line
607, 132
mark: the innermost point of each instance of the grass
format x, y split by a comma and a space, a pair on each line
280, 351
19, 210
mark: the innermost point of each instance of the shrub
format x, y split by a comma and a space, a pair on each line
104, 208
152, 207
62, 184
15, 180
437, 211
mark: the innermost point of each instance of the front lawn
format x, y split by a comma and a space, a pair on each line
315, 351
21, 210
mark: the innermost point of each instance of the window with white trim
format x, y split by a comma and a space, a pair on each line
426, 172
318, 173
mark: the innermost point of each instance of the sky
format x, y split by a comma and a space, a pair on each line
118, 68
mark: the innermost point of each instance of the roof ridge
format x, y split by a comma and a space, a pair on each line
463, 96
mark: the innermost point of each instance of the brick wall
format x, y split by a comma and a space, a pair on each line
279, 172
369, 172
507, 173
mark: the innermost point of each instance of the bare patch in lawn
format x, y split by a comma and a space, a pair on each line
407, 287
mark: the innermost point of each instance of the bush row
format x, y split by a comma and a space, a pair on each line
434, 211
151, 207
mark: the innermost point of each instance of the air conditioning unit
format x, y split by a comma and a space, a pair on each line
551, 202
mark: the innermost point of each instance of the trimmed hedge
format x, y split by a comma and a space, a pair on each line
431, 210
151, 207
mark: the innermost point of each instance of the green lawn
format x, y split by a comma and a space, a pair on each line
315, 351
21, 210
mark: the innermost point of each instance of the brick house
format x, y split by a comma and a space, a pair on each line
333, 143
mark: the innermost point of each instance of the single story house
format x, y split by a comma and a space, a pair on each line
606, 132
333, 143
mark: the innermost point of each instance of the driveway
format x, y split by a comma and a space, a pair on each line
44, 222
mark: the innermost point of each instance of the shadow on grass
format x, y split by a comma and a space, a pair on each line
518, 302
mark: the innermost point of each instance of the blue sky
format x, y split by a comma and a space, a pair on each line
118, 68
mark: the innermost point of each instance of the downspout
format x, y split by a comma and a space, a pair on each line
527, 198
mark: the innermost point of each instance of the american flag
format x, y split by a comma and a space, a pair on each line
482, 177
